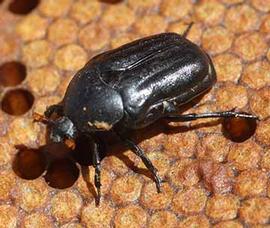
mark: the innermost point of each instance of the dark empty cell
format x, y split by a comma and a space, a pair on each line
23, 6
239, 129
12, 73
29, 163
1, 1
62, 174
17, 102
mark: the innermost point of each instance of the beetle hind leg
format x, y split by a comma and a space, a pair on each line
139, 152
195, 116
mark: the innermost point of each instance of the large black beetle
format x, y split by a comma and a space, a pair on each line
131, 87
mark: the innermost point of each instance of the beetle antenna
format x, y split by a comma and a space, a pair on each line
187, 29
40, 118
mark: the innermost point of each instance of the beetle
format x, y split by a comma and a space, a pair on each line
131, 87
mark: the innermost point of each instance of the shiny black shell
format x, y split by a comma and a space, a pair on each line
138, 83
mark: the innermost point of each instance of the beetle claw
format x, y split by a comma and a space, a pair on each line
98, 197
158, 181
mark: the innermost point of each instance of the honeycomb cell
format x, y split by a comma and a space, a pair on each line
6, 151
8, 216
37, 53
228, 67
144, 5
121, 163
265, 162
232, 2
255, 210
150, 25
71, 57
229, 224
213, 147
37, 219
101, 216
241, 18
262, 5
23, 7
250, 46
160, 160
65, 206
163, 219
195, 221
29, 163
263, 132
239, 129
222, 207
121, 20
85, 11
61, 173
265, 25
210, 12
217, 178
260, 102
122, 39
126, 189
17, 102
73, 225
181, 145
8, 184
189, 201
32, 194
224, 99
52, 8
9, 47
156, 201
217, 40
184, 172
12, 73
251, 183
63, 31
32, 27
94, 37
23, 131
257, 75
130, 216
246, 155
175, 9
44, 80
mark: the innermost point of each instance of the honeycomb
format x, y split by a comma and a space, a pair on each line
211, 179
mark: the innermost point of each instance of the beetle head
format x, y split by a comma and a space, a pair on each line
62, 129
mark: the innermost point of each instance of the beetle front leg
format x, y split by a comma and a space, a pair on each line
139, 152
195, 116
96, 163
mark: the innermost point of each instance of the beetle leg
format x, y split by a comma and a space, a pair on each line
139, 152
96, 163
58, 109
194, 116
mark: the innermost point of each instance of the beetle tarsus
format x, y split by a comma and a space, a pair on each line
96, 163
147, 162
195, 116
